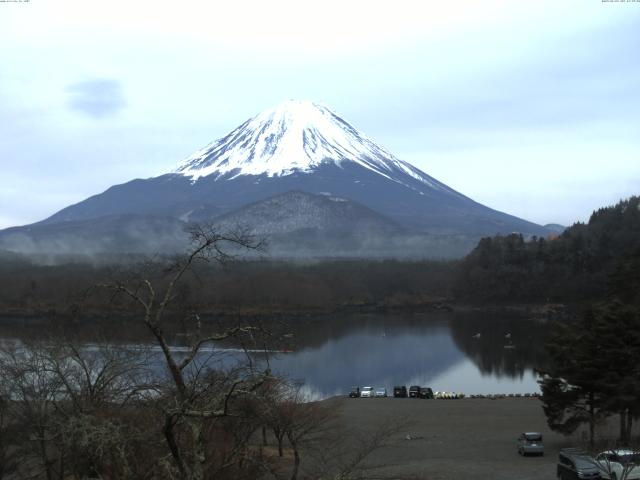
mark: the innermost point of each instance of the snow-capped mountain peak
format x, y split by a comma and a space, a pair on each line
298, 166
295, 136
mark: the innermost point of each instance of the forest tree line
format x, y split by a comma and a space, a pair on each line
249, 286
587, 262
582, 264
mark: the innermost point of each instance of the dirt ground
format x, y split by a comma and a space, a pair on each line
458, 439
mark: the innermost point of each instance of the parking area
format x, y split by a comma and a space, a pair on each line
456, 439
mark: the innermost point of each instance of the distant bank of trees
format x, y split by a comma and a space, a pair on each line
586, 262
252, 286
582, 264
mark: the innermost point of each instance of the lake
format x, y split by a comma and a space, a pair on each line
467, 353
472, 353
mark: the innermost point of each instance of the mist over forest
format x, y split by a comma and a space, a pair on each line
585, 262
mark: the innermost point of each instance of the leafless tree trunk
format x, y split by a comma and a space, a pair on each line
81, 405
7, 460
194, 400
296, 455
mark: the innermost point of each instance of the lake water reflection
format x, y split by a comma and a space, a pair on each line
468, 353
471, 353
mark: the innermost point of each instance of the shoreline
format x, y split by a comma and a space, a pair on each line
541, 310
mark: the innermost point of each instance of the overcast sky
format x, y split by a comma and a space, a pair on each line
530, 107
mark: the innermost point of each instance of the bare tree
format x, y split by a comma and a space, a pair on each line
98, 375
33, 394
274, 416
99, 384
91, 410
8, 459
313, 430
194, 396
66, 407
307, 421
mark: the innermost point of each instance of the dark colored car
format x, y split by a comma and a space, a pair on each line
355, 392
414, 391
400, 391
574, 464
426, 392
530, 443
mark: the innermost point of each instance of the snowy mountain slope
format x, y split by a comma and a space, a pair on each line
304, 147
297, 136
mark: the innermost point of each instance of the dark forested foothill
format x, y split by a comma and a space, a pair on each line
586, 262
255, 287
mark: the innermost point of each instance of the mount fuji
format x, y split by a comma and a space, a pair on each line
297, 146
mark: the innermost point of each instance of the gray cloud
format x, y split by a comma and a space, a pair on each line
96, 98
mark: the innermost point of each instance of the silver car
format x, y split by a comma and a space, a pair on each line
381, 392
530, 443
366, 392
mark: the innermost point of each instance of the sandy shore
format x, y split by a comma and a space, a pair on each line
457, 439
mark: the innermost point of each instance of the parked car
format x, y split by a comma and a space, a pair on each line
574, 464
400, 391
355, 392
366, 392
447, 395
381, 392
426, 392
618, 464
414, 391
530, 443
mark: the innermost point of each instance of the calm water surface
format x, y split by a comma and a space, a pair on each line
461, 353
470, 353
